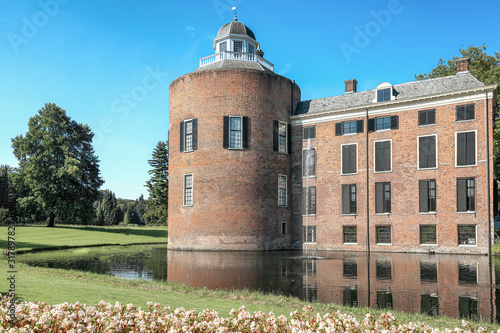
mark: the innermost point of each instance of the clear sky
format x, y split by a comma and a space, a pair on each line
109, 63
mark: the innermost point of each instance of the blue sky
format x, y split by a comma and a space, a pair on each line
109, 63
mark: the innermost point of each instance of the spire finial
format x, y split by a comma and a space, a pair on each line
235, 18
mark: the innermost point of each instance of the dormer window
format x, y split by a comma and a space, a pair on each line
383, 92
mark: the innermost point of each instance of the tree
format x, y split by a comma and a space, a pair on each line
8, 194
107, 209
486, 68
57, 166
157, 204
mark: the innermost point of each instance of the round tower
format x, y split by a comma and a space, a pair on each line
229, 150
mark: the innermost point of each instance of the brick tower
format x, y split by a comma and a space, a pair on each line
229, 146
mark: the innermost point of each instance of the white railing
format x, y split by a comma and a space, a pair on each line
227, 55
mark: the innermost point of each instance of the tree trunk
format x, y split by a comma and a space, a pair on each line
51, 221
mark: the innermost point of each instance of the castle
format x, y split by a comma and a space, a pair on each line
399, 168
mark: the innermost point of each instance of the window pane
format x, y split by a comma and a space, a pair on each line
427, 152
467, 234
428, 234
282, 191
282, 138
349, 127
235, 132
382, 123
383, 156
349, 159
310, 234
383, 234
309, 162
238, 46
222, 46
350, 234
188, 190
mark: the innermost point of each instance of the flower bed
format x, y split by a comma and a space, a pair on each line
105, 317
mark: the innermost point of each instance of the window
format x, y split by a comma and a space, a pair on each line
383, 123
467, 273
282, 190
383, 269
350, 234
222, 46
465, 151
383, 198
251, 48
349, 199
429, 305
427, 152
283, 228
349, 159
350, 297
466, 235
309, 162
309, 200
465, 112
466, 195
467, 307
428, 234
309, 133
349, 127
383, 234
350, 269
427, 117
237, 46
310, 234
188, 190
281, 137
384, 300
235, 130
428, 271
383, 160
427, 196
189, 135
384, 95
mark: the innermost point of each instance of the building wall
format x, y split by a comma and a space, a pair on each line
404, 218
235, 192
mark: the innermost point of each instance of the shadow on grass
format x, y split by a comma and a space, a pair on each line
161, 233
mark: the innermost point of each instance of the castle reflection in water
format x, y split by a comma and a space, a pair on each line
452, 285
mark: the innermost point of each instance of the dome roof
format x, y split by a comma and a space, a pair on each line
236, 28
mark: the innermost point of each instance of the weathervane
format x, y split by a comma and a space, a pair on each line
235, 18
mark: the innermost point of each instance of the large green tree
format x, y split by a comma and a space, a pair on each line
486, 68
58, 169
8, 194
157, 204
107, 209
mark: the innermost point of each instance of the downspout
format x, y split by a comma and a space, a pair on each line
367, 191
291, 101
488, 193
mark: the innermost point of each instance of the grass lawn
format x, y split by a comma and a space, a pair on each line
43, 238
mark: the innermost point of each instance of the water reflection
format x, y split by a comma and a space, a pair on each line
453, 285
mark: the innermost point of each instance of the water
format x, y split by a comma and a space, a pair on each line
453, 285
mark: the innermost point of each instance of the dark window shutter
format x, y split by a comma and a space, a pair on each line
275, 135
371, 125
431, 151
346, 203
195, 134
461, 148
338, 128
289, 139
431, 117
246, 131
345, 160
423, 186
379, 197
359, 126
422, 118
425, 304
470, 148
312, 132
469, 112
225, 139
312, 200
378, 156
422, 153
352, 162
394, 122
460, 113
461, 195
387, 156
182, 136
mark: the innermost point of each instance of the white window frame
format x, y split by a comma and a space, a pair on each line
233, 41
315, 234
241, 133
475, 235
357, 159
315, 162
382, 86
280, 123
383, 225
220, 43
374, 156
184, 190
418, 150
184, 124
456, 149
285, 189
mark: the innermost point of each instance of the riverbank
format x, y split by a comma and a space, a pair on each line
41, 238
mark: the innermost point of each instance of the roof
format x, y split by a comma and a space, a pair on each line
236, 28
232, 64
402, 91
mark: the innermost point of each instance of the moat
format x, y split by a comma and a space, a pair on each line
453, 285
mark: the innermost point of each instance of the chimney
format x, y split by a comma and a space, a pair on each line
350, 86
463, 65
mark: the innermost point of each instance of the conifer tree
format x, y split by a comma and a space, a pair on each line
157, 204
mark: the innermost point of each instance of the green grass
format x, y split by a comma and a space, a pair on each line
57, 286
43, 238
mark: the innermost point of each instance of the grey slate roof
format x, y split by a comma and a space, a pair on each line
232, 64
235, 27
401, 91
